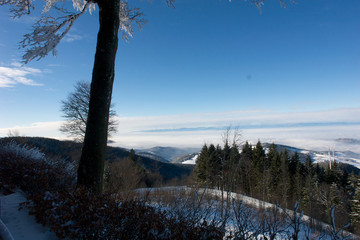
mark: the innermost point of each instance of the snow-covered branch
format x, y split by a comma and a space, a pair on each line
19, 7
129, 17
47, 33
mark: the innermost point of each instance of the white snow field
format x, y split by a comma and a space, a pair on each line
18, 225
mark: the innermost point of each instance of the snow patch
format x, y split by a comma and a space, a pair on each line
191, 160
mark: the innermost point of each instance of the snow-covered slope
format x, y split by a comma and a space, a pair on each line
190, 159
345, 157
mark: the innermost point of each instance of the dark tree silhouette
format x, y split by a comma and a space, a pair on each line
76, 107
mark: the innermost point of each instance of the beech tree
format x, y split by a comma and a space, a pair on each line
76, 107
48, 31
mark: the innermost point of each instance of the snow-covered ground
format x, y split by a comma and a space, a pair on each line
18, 222
254, 205
191, 160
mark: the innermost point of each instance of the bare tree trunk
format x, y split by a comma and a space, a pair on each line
91, 167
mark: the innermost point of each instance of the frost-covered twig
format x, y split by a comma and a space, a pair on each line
23, 151
244, 221
272, 225
19, 7
296, 221
47, 33
128, 17
337, 234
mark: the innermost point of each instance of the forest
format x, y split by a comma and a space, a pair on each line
280, 177
220, 198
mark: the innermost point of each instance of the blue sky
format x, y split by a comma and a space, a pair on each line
288, 75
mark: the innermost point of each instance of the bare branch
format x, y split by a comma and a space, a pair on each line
284, 3
170, 3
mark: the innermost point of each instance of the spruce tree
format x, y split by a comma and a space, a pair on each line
295, 169
246, 165
355, 209
214, 167
201, 167
235, 167
309, 168
284, 184
259, 167
258, 157
275, 168
307, 193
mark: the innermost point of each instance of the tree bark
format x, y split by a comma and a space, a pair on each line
91, 166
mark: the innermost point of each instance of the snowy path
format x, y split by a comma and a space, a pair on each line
20, 224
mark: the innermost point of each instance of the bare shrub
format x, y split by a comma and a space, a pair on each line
30, 170
272, 223
246, 224
122, 175
80, 214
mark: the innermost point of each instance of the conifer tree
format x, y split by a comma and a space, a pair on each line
214, 166
258, 157
235, 167
246, 165
307, 190
259, 169
355, 208
284, 184
309, 167
225, 166
275, 168
202, 168
295, 169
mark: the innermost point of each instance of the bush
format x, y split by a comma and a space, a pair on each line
75, 213
29, 169
80, 214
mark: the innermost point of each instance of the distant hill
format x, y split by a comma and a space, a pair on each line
168, 154
348, 140
71, 151
347, 160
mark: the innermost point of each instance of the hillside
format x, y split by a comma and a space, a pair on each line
346, 159
169, 154
71, 151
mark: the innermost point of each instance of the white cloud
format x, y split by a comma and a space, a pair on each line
17, 74
243, 119
38, 129
313, 130
71, 37
197, 129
